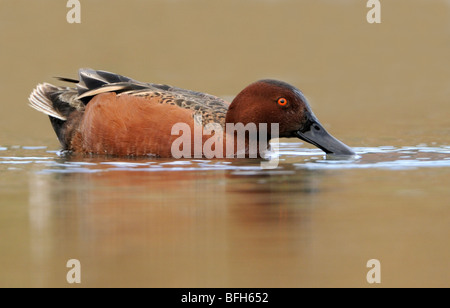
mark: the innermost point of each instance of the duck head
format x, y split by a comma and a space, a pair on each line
272, 101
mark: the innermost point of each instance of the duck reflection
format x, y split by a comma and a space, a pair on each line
175, 227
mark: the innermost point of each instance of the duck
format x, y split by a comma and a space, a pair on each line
109, 114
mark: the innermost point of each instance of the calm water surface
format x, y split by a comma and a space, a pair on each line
134, 222
314, 221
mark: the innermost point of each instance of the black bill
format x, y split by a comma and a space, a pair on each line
314, 133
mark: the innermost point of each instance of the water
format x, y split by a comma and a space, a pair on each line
314, 221
217, 222
291, 157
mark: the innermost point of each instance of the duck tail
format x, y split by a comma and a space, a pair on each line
58, 103
40, 100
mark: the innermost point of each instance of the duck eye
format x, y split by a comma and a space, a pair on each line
282, 101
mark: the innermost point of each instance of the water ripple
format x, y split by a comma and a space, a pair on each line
292, 156
393, 165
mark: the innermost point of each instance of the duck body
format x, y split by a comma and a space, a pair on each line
110, 114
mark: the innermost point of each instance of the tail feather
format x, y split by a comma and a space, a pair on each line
58, 103
64, 104
40, 101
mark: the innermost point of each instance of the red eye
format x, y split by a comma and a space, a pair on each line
282, 101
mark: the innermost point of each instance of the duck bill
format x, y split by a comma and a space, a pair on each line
315, 134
